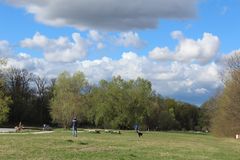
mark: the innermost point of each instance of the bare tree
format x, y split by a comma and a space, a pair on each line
42, 99
18, 83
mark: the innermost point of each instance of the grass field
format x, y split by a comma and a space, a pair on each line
60, 145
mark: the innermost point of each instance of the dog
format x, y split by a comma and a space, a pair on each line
139, 133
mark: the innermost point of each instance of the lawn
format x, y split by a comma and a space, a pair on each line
60, 145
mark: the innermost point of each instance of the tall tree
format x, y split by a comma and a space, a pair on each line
68, 99
42, 99
121, 104
4, 100
206, 113
187, 115
18, 82
226, 119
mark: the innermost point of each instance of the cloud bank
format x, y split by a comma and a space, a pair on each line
189, 76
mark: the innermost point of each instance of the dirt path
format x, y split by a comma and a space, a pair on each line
7, 130
13, 131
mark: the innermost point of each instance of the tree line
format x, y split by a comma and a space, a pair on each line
115, 103
118, 104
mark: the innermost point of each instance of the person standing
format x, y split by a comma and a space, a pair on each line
74, 127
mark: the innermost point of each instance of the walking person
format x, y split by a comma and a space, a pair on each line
74, 127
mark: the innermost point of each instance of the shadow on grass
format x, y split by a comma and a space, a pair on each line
133, 155
70, 141
83, 143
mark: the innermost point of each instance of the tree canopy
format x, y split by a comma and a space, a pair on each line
67, 98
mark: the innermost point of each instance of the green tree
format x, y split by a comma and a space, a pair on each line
162, 113
4, 100
187, 115
120, 103
68, 99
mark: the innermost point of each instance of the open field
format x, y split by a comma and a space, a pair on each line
60, 145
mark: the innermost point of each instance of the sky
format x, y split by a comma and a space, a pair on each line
180, 46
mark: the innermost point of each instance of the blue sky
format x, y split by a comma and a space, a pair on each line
180, 46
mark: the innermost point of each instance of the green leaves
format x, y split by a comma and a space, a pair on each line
67, 100
4, 100
120, 103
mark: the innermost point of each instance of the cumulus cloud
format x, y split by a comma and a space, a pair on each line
107, 14
5, 48
60, 49
188, 50
95, 37
130, 39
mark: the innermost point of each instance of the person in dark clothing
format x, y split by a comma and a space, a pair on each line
74, 127
136, 127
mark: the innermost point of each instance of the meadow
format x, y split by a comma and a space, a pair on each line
60, 145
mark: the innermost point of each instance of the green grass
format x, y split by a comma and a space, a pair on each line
60, 145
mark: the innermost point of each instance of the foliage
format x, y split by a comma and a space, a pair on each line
4, 100
226, 117
120, 103
206, 113
67, 98
187, 116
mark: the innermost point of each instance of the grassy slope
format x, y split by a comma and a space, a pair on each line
153, 145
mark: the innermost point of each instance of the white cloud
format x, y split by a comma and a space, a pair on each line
5, 49
130, 39
160, 54
94, 35
24, 56
188, 50
177, 35
58, 50
107, 14
201, 90
38, 41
